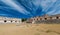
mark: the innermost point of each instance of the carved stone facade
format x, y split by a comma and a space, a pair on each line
6, 20
46, 19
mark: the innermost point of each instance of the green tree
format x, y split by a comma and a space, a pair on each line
24, 19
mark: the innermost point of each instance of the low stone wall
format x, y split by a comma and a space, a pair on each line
55, 21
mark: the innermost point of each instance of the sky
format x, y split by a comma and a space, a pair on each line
29, 8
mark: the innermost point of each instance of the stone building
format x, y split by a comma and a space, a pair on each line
46, 19
5, 20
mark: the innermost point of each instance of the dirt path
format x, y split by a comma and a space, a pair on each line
30, 29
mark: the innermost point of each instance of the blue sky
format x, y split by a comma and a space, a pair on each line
29, 8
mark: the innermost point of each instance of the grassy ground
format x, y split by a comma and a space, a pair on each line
30, 29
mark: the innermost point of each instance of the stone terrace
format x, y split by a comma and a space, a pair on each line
46, 19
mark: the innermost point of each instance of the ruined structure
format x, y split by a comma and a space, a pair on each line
6, 20
46, 19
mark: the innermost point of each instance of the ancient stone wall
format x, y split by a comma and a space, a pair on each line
47, 19
55, 19
5, 20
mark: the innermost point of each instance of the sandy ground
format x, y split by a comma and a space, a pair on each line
30, 29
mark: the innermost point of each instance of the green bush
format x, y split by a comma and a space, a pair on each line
24, 19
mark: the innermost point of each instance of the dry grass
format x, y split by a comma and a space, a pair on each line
30, 29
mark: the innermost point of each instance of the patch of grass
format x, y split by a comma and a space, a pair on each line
17, 25
48, 31
27, 25
37, 34
56, 32
52, 31
37, 29
37, 24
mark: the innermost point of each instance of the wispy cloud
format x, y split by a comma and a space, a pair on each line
51, 6
16, 6
55, 8
31, 7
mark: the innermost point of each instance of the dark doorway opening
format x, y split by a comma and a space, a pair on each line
40, 18
11, 21
57, 17
50, 17
37, 19
5, 21
45, 18
15, 21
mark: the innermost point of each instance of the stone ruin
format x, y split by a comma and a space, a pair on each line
7, 20
46, 19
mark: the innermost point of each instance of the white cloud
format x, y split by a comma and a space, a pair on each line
15, 6
51, 12
46, 4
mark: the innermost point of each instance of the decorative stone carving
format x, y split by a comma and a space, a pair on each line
9, 20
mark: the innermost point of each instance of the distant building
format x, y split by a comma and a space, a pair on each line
4, 20
45, 19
